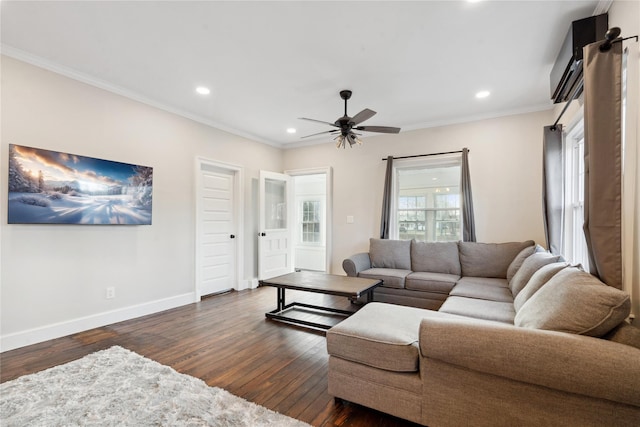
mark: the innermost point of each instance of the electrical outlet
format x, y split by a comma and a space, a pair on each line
110, 293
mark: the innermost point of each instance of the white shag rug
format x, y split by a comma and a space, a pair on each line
117, 387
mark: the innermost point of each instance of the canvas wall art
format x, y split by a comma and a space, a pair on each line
50, 187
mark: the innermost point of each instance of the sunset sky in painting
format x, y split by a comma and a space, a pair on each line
61, 167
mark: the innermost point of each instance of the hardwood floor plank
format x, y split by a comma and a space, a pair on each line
226, 341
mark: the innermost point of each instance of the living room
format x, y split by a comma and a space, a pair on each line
53, 278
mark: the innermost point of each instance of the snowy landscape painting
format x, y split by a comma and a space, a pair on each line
49, 187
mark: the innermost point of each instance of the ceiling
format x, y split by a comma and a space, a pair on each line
418, 63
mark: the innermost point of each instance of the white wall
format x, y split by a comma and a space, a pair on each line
53, 277
506, 173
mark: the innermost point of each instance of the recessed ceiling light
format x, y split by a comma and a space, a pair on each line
203, 90
483, 94
291, 130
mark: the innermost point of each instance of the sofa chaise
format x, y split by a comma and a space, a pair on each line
519, 338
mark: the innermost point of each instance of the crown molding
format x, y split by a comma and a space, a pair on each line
438, 123
602, 7
46, 64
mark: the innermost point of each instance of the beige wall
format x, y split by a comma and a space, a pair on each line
53, 277
506, 173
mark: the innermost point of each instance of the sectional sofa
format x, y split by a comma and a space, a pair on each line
513, 336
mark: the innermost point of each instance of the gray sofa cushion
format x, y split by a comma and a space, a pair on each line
391, 277
539, 279
435, 257
576, 302
479, 309
384, 336
482, 291
484, 281
385, 253
489, 259
518, 260
530, 265
431, 282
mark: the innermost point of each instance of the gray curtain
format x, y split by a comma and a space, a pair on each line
468, 223
386, 200
603, 157
552, 188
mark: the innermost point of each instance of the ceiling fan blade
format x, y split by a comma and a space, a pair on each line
381, 129
362, 116
320, 133
318, 121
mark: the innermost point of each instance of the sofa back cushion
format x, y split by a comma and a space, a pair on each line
435, 257
519, 259
385, 253
538, 280
489, 259
576, 302
530, 265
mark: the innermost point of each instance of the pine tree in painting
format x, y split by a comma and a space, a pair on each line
40, 181
143, 181
19, 179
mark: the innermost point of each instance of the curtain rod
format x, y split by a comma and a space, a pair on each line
576, 93
427, 155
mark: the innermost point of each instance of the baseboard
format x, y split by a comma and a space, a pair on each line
247, 284
61, 329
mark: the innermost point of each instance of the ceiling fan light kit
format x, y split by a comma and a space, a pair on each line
341, 140
345, 125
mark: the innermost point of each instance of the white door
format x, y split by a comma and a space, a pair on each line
216, 232
274, 238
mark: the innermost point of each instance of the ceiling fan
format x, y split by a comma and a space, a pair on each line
346, 125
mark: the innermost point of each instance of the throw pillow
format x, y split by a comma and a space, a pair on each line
576, 302
538, 280
518, 260
529, 266
385, 253
489, 259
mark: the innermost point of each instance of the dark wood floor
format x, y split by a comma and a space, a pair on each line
226, 341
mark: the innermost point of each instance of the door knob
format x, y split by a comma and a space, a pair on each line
233, 236
263, 234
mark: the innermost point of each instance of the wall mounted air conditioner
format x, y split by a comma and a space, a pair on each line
566, 75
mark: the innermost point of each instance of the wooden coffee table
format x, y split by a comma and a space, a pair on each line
350, 287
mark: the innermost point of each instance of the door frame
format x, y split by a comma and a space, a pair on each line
328, 171
238, 209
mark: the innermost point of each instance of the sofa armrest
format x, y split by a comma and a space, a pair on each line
356, 263
572, 363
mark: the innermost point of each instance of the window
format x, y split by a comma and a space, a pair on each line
427, 201
575, 242
310, 221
